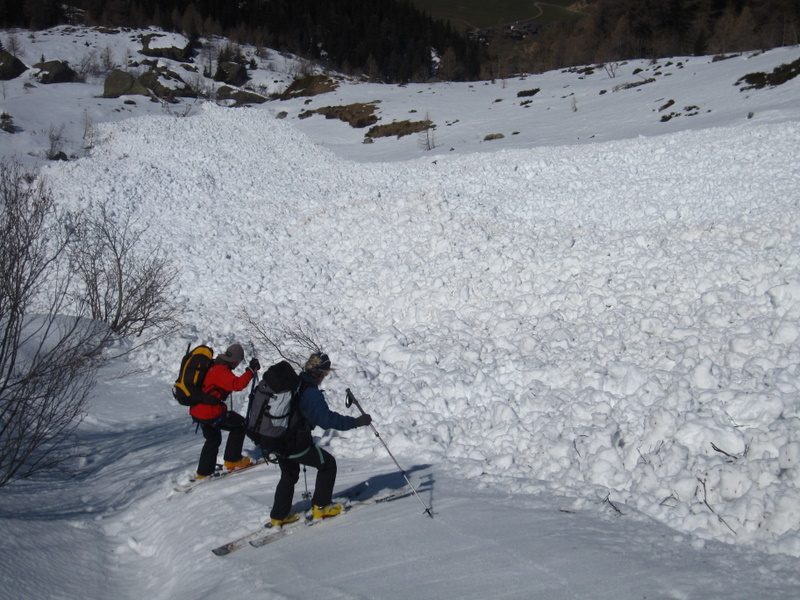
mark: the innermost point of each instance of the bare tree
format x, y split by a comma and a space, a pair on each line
13, 45
48, 360
124, 286
56, 136
427, 137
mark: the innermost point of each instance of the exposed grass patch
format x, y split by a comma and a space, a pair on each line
313, 85
356, 115
526, 93
493, 136
587, 70
779, 75
399, 128
627, 86
688, 111
666, 106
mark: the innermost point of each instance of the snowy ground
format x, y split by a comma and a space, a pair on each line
581, 340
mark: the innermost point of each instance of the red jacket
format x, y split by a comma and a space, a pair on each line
220, 381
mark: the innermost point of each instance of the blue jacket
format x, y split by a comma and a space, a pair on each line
315, 409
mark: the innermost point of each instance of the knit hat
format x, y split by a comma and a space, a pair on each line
317, 364
233, 355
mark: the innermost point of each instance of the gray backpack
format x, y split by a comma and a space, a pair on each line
274, 422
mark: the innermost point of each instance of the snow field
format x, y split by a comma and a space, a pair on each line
588, 320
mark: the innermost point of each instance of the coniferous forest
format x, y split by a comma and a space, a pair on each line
387, 40
614, 30
394, 40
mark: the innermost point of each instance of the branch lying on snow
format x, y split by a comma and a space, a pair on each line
612, 505
705, 501
715, 447
671, 497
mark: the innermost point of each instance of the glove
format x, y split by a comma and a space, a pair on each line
254, 365
363, 420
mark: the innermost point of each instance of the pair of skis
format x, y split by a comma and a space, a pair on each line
262, 538
217, 475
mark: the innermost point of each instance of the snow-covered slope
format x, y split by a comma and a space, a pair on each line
581, 341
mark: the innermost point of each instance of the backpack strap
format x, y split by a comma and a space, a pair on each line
294, 411
257, 426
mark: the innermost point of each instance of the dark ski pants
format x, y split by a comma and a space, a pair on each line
290, 472
232, 422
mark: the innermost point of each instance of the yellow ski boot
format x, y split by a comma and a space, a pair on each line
285, 521
237, 464
323, 512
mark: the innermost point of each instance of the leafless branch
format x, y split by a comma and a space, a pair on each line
669, 498
123, 285
281, 336
612, 505
705, 501
714, 446
48, 359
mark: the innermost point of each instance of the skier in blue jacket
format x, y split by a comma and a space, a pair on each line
314, 412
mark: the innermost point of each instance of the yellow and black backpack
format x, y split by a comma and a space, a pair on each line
188, 389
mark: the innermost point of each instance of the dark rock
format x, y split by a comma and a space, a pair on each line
152, 80
55, 71
10, 66
240, 97
119, 83
231, 73
172, 53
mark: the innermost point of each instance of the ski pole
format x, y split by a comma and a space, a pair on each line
250, 397
351, 399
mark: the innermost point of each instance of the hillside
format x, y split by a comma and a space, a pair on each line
571, 106
572, 307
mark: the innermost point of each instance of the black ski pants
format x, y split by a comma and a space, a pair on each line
231, 422
316, 457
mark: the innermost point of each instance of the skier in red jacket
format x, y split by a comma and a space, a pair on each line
219, 382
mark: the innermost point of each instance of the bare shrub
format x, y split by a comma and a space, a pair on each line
89, 132
107, 63
56, 149
427, 137
122, 284
48, 360
13, 45
612, 69
7, 123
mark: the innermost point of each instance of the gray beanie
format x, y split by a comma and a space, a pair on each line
233, 355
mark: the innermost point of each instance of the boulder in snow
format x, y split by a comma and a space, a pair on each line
10, 66
55, 71
120, 83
